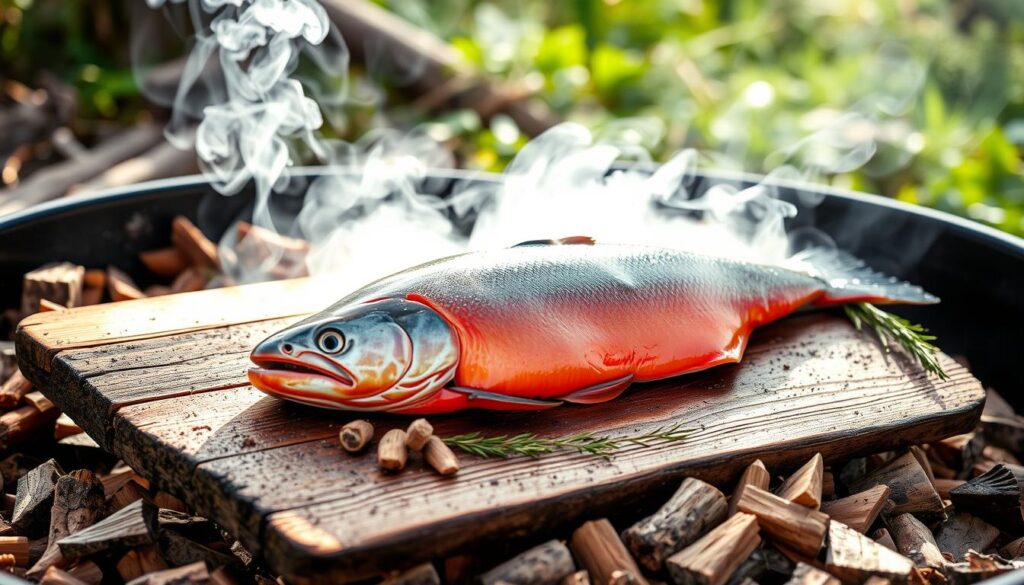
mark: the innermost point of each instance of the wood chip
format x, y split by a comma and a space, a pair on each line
828, 485
795, 526
59, 283
17, 546
1013, 549
808, 575
55, 576
168, 502
858, 511
994, 496
392, 452
78, 502
178, 550
65, 427
418, 433
133, 525
547, 564
716, 555
39, 401
95, 278
598, 549
910, 489
756, 475
140, 561
944, 486
190, 280
121, 286
694, 509
165, 262
35, 497
804, 486
88, 572
914, 541
200, 251
128, 493
119, 476
13, 390
883, 538
854, 558
959, 452
355, 435
46, 306
440, 456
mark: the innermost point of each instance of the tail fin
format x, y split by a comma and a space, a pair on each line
849, 280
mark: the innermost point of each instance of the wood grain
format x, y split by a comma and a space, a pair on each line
274, 474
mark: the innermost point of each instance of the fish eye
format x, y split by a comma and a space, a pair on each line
330, 341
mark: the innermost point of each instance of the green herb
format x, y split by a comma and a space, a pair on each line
532, 445
890, 328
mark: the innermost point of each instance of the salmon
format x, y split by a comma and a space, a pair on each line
545, 323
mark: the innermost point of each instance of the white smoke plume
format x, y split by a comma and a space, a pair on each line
372, 217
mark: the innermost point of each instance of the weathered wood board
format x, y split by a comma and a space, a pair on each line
161, 382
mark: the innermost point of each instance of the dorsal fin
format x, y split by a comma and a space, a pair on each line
570, 241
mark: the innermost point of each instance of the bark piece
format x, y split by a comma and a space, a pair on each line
31, 514
418, 433
963, 532
194, 574
804, 486
140, 561
355, 435
693, 510
424, 574
911, 490
77, 503
797, 527
60, 283
756, 475
598, 549
200, 251
978, 567
854, 558
178, 550
716, 555
994, 496
546, 564
133, 525
14, 390
808, 575
915, 541
860, 510
164, 262
392, 452
121, 286
440, 456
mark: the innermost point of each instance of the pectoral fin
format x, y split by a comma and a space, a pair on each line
602, 392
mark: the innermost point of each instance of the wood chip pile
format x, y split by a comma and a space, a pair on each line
946, 512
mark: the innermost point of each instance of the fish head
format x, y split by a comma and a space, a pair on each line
379, 355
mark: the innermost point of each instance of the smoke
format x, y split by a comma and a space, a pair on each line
370, 215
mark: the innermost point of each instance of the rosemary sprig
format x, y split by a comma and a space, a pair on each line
532, 445
889, 328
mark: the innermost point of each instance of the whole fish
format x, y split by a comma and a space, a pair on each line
543, 323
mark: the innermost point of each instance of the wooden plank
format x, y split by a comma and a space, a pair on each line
42, 335
272, 472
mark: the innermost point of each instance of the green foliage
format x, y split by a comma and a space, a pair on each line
755, 82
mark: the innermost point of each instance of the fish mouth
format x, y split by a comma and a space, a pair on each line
293, 369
